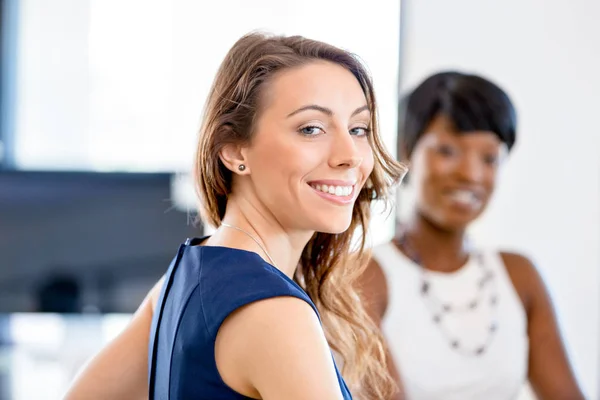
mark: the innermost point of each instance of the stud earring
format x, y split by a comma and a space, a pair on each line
242, 167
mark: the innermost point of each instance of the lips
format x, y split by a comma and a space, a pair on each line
337, 191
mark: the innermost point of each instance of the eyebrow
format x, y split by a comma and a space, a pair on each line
326, 110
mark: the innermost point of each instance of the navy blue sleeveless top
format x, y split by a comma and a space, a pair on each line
203, 285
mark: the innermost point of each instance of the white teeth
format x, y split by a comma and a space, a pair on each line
341, 191
464, 196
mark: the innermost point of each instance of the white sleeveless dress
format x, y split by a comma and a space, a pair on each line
430, 368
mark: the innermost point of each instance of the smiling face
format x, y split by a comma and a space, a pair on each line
310, 154
454, 173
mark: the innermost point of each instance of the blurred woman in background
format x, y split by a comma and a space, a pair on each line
289, 162
462, 323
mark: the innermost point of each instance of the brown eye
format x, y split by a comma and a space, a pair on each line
490, 159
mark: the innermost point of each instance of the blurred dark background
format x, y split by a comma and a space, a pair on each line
112, 235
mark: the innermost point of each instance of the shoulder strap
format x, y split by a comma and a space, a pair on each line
252, 283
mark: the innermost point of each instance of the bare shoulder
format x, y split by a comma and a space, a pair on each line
373, 274
518, 264
373, 287
276, 348
524, 275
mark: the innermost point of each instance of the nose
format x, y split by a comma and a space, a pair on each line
344, 151
470, 168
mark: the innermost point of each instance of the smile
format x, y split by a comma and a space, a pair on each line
340, 193
465, 198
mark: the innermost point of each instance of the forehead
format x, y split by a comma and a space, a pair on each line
442, 128
321, 83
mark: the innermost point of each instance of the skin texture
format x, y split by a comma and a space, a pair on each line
444, 161
275, 348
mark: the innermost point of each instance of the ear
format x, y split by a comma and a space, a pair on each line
233, 157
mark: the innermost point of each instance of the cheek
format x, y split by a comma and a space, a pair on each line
490, 180
428, 186
430, 174
368, 162
284, 161
439, 165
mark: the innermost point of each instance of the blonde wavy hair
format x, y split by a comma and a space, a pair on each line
329, 265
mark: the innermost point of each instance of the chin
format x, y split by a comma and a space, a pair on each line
334, 225
456, 222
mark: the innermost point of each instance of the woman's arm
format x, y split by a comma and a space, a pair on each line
549, 371
120, 370
276, 349
374, 294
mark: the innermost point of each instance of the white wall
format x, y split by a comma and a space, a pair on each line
547, 55
51, 102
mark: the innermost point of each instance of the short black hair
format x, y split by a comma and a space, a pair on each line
470, 102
